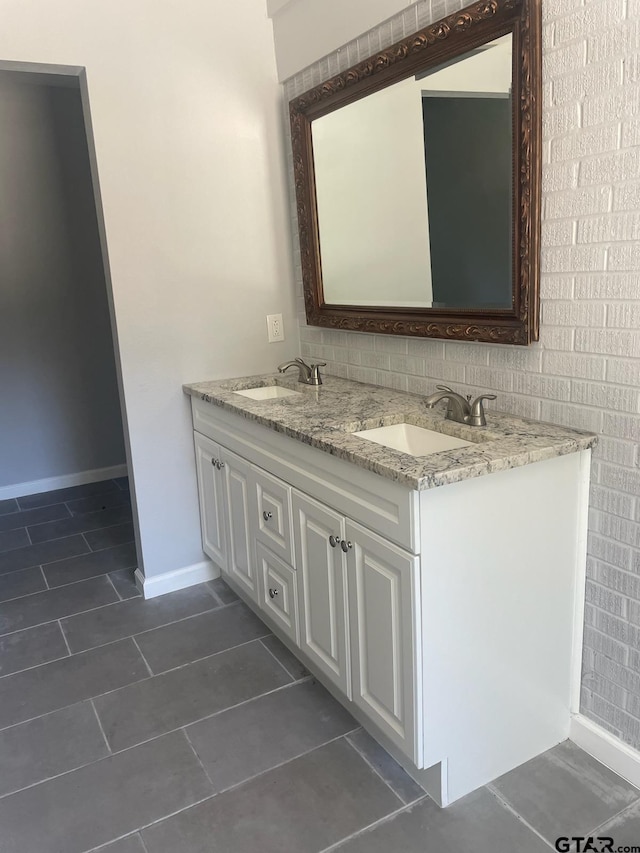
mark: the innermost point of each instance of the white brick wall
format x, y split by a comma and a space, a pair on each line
585, 370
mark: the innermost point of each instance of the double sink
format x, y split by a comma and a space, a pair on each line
405, 437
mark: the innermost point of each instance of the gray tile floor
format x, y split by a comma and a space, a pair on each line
181, 725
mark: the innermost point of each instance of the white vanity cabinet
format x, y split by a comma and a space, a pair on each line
446, 620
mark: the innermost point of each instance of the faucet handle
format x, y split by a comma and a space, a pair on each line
477, 410
444, 388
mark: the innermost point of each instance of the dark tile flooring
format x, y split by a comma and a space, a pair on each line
181, 725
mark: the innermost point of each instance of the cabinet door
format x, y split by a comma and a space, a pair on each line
273, 515
322, 590
384, 623
211, 497
278, 593
241, 561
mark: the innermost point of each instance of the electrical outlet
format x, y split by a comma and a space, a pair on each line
275, 328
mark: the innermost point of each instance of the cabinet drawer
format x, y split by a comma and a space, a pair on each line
273, 527
278, 594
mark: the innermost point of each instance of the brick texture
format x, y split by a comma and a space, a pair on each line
585, 370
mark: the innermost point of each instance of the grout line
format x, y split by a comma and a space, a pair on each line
510, 808
46, 584
215, 595
290, 674
382, 820
26, 530
283, 763
146, 662
109, 604
64, 636
375, 769
99, 721
198, 759
596, 830
92, 577
29, 668
139, 680
76, 532
108, 577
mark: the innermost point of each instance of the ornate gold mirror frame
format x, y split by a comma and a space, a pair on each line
452, 36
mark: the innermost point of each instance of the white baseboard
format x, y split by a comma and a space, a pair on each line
179, 579
36, 487
612, 752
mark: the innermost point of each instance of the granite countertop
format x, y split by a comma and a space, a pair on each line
325, 417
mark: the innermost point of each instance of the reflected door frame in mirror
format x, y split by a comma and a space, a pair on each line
450, 37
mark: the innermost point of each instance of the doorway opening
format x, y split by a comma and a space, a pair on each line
65, 503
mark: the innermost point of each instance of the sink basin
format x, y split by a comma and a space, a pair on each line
268, 392
415, 440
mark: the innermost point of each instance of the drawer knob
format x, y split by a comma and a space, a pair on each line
272, 592
333, 541
346, 546
267, 515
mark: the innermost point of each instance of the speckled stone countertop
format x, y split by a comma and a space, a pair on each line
326, 418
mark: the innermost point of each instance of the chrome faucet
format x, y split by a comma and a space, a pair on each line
308, 374
460, 410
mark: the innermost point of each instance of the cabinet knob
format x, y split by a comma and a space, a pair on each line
333, 541
346, 546
272, 592
267, 515
220, 465
215, 463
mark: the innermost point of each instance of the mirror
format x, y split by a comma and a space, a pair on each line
417, 182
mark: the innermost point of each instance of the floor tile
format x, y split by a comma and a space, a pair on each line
289, 661
118, 534
79, 524
34, 646
90, 565
131, 617
53, 604
25, 582
44, 552
122, 482
624, 829
48, 746
12, 539
8, 506
119, 794
64, 682
392, 773
200, 636
33, 516
565, 792
69, 494
131, 844
304, 806
125, 584
223, 591
184, 695
96, 503
477, 823
244, 741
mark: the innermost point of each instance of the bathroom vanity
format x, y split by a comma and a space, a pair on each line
438, 596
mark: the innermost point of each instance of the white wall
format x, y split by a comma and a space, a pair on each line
185, 111
306, 30
585, 370
55, 336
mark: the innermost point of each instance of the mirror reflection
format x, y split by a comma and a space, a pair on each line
414, 189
